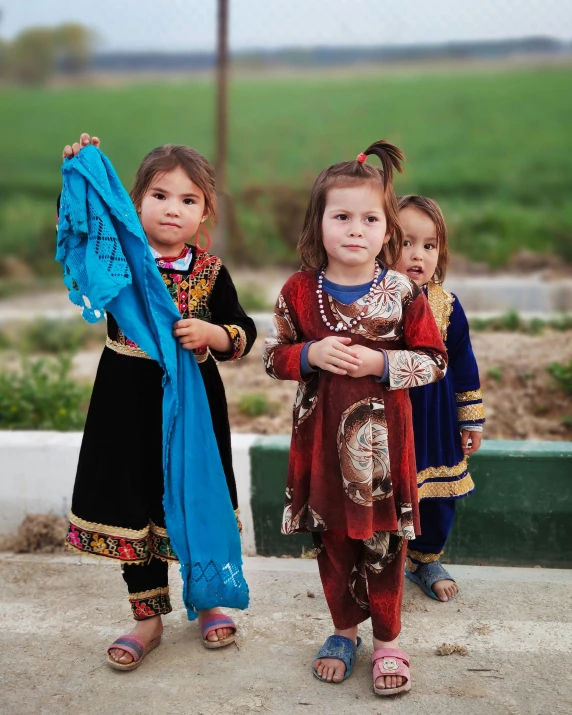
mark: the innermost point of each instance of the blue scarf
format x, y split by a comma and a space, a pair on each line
108, 266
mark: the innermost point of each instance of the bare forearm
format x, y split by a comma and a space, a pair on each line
218, 339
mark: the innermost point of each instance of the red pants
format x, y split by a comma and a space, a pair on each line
363, 579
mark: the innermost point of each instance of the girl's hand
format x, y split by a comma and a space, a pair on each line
85, 140
372, 362
476, 439
335, 355
194, 333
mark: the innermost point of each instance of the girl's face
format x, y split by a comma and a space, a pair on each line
420, 246
171, 211
354, 226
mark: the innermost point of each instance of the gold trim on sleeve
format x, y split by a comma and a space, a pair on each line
468, 413
470, 396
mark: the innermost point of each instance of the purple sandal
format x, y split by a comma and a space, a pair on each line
212, 623
135, 647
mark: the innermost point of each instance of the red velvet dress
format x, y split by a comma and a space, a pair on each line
352, 458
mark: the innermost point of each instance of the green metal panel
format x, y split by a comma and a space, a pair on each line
520, 513
521, 510
269, 467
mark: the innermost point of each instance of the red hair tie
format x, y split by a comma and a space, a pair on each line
361, 158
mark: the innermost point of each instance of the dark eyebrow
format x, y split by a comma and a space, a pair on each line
159, 190
347, 211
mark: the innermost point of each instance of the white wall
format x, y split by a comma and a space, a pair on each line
37, 471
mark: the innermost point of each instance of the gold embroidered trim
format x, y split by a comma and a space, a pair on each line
471, 412
108, 530
441, 304
469, 396
202, 357
95, 555
159, 530
238, 337
459, 488
423, 558
124, 349
153, 593
444, 471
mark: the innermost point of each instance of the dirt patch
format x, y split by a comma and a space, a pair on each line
41, 533
522, 400
451, 649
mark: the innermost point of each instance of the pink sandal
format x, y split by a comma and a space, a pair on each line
212, 623
135, 647
391, 661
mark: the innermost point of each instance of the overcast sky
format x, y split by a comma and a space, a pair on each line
190, 25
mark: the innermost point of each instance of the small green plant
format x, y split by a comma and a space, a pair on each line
5, 341
562, 373
42, 396
495, 373
255, 404
567, 422
59, 336
513, 323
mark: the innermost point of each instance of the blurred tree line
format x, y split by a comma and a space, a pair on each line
37, 53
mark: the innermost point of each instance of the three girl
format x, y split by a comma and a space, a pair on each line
117, 507
448, 416
356, 335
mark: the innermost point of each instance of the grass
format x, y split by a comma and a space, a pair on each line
493, 148
513, 323
562, 373
42, 396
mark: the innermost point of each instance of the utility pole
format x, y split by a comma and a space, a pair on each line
222, 127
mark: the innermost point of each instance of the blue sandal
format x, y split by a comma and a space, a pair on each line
343, 649
428, 574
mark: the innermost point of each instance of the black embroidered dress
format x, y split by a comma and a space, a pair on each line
117, 506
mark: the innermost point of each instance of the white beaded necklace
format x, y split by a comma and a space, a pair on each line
357, 319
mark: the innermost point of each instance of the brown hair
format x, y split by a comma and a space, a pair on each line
171, 156
349, 173
431, 208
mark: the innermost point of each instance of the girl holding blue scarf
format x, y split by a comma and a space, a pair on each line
156, 446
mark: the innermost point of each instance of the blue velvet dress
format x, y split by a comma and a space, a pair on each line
440, 411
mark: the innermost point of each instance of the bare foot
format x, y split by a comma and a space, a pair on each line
387, 681
444, 590
220, 633
147, 630
332, 669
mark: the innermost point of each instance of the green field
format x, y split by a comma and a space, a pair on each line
495, 148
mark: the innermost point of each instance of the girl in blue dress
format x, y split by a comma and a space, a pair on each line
448, 415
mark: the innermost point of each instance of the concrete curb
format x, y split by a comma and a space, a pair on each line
519, 514
38, 472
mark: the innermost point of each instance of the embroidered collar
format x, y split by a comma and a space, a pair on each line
441, 303
175, 263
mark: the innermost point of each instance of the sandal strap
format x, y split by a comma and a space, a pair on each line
390, 661
130, 644
217, 620
432, 572
341, 648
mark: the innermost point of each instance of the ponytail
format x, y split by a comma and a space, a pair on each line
391, 158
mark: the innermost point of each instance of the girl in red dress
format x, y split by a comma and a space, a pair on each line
355, 335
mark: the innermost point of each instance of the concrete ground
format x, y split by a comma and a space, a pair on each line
57, 615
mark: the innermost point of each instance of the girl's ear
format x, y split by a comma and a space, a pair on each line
387, 237
205, 216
